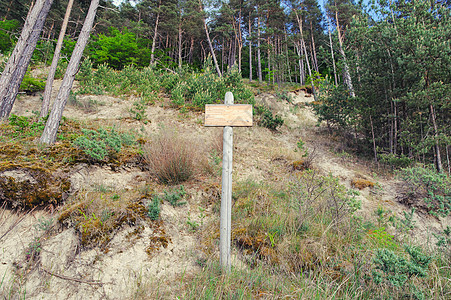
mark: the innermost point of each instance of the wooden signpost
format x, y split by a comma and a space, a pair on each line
227, 115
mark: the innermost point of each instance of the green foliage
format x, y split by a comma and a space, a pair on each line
118, 49
154, 208
31, 85
138, 111
26, 126
7, 30
268, 119
102, 143
175, 196
432, 187
194, 90
396, 161
396, 270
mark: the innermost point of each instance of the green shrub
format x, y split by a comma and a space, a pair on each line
267, 118
396, 270
102, 143
175, 196
7, 30
31, 85
422, 183
153, 208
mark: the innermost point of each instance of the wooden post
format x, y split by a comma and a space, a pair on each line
226, 196
227, 115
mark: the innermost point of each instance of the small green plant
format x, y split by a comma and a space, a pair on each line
31, 85
43, 224
396, 270
408, 222
175, 196
138, 111
267, 119
300, 147
102, 143
193, 225
154, 208
34, 249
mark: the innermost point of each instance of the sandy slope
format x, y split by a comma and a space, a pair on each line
259, 155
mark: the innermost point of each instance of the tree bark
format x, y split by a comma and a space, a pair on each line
180, 45
51, 127
155, 34
18, 62
438, 158
259, 62
20, 59
305, 52
332, 52
56, 56
250, 49
347, 74
209, 41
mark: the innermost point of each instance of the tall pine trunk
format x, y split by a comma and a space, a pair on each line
332, 51
56, 56
51, 127
259, 61
209, 41
155, 34
347, 74
250, 49
19, 60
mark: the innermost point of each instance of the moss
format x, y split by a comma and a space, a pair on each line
159, 239
38, 187
299, 165
361, 183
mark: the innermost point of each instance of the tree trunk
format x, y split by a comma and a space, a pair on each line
347, 74
155, 34
315, 60
250, 49
180, 45
19, 60
209, 41
56, 56
332, 52
51, 127
305, 53
240, 41
259, 62
438, 160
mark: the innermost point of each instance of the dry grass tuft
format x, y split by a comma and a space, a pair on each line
170, 157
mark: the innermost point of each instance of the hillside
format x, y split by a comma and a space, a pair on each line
55, 252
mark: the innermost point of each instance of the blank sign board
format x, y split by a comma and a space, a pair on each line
228, 115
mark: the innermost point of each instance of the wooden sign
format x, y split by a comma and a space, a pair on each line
228, 115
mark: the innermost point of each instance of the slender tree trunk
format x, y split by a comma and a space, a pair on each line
315, 60
250, 49
240, 41
191, 50
438, 161
374, 139
180, 45
56, 56
259, 62
332, 52
347, 74
19, 60
209, 41
51, 127
155, 34
305, 53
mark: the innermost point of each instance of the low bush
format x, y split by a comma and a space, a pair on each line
267, 118
425, 187
99, 144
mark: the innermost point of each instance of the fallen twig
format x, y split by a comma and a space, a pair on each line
72, 278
